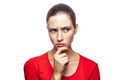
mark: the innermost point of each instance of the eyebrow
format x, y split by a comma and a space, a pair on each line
66, 27
61, 27
52, 28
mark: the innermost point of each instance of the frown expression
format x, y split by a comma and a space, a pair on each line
61, 30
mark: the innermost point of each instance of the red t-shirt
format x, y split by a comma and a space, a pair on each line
39, 68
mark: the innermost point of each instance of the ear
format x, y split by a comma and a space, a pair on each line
76, 28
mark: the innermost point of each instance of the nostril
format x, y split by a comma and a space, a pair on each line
59, 39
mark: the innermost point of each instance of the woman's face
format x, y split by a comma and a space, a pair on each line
61, 30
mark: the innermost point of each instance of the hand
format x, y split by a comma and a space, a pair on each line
60, 60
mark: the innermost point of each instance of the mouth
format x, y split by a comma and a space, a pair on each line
60, 45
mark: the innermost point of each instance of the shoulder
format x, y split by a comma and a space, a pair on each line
88, 64
87, 61
90, 68
37, 60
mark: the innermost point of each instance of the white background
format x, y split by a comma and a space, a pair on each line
23, 34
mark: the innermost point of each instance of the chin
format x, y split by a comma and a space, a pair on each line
58, 47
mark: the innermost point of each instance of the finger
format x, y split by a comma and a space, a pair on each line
64, 60
61, 50
62, 55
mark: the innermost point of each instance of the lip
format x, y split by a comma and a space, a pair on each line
60, 44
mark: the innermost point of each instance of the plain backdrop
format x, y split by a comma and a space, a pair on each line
23, 34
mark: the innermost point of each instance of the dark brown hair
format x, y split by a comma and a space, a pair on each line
62, 8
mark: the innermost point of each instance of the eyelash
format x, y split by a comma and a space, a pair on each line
53, 30
65, 30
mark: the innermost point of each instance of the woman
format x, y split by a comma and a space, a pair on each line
62, 62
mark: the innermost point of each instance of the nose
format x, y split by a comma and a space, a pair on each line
59, 37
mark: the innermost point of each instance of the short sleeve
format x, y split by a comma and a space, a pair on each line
30, 70
95, 75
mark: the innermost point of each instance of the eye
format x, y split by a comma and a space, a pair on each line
53, 30
66, 29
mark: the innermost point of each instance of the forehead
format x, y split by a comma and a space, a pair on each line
60, 20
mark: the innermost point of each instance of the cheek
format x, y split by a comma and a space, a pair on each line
52, 38
69, 37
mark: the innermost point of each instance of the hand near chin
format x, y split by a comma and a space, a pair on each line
60, 60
